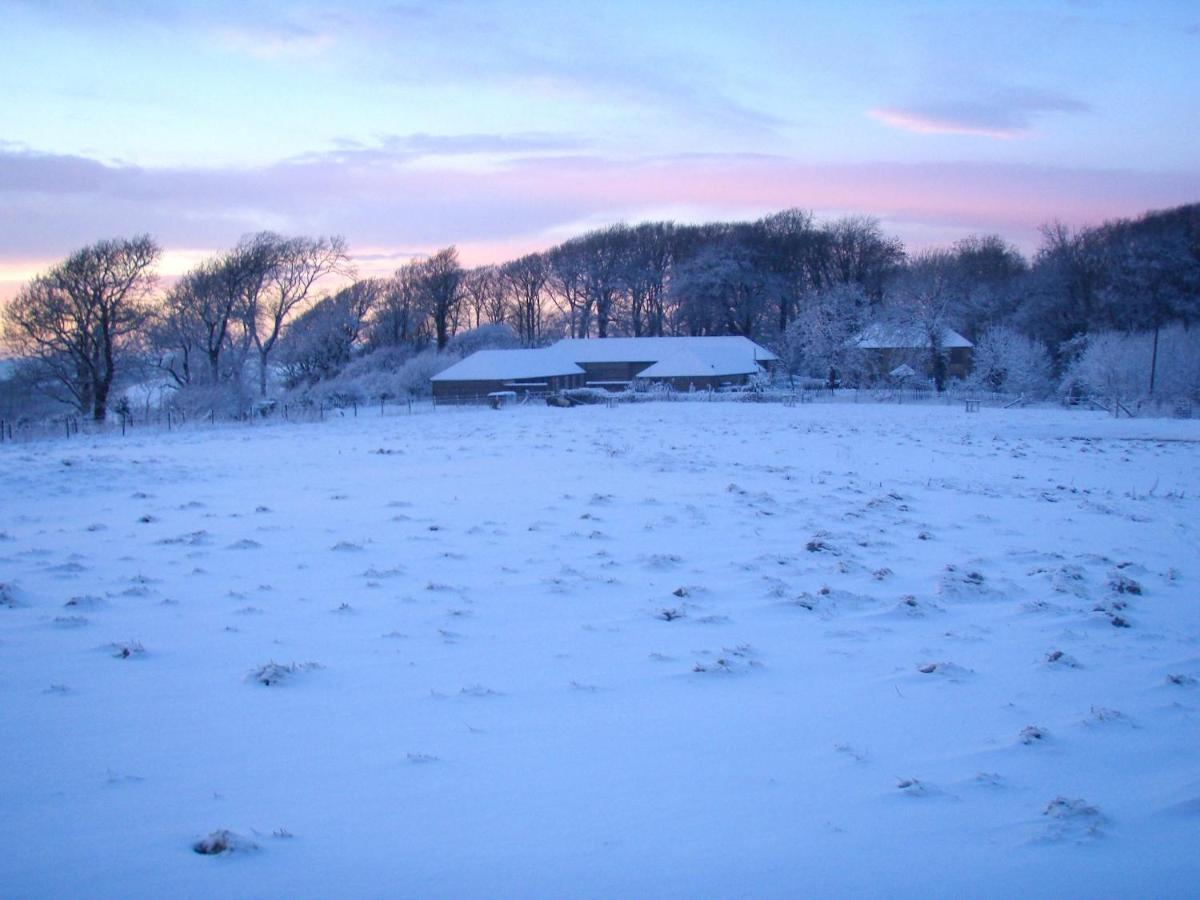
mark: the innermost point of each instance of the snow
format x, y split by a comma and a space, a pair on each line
885, 337
702, 361
498, 365
671, 356
664, 649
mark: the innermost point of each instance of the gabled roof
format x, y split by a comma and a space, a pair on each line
654, 349
880, 336
699, 362
502, 365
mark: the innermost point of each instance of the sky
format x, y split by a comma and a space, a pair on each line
505, 127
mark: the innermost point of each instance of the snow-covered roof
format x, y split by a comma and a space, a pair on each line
891, 337
666, 357
655, 349
501, 365
701, 361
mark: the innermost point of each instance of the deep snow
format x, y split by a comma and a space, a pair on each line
667, 649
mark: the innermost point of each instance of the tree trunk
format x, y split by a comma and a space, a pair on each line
440, 322
262, 374
1154, 360
100, 402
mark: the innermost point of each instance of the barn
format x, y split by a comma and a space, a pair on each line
609, 363
489, 371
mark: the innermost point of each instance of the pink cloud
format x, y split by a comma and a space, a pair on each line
390, 210
922, 124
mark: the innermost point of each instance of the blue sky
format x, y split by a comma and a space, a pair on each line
505, 126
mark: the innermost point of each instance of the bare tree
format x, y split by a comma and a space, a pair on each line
860, 253
81, 318
526, 280
480, 289
201, 311
645, 271
290, 267
441, 279
402, 316
799, 253
601, 260
565, 284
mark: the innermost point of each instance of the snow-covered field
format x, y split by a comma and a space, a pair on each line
681, 650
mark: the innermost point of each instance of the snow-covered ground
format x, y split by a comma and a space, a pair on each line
681, 650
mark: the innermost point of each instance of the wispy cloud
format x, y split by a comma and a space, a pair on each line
1003, 114
273, 40
399, 149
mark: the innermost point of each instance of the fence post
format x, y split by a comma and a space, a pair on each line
122, 424
354, 403
212, 419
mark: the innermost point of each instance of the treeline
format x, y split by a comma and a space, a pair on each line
262, 316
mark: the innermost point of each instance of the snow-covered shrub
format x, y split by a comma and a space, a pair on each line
393, 372
8, 596
1007, 361
224, 400
273, 673
223, 841
493, 336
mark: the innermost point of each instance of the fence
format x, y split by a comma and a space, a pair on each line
167, 419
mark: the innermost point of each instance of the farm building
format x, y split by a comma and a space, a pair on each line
489, 371
886, 348
610, 363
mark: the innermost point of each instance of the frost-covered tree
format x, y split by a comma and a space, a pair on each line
1113, 364
323, 339
724, 287
1007, 361
920, 301
819, 339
